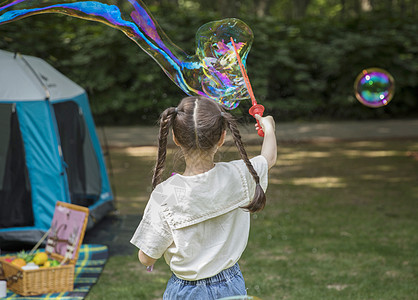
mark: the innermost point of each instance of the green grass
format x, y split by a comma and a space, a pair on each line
341, 223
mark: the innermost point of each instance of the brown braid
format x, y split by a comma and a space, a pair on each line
259, 200
198, 124
165, 122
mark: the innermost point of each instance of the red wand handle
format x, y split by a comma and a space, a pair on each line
256, 109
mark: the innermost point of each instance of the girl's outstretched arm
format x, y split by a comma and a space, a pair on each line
269, 147
145, 259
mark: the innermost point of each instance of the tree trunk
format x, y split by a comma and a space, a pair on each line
365, 5
402, 7
343, 9
299, 8
262, 7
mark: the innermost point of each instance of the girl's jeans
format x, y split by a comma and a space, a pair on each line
227, 283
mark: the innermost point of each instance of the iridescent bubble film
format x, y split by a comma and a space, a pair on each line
374, 87
212, 71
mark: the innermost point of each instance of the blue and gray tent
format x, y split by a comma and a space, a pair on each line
49, 150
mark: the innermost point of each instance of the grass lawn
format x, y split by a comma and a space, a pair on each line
341, 223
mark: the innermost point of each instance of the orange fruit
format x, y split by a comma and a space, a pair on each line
20, 262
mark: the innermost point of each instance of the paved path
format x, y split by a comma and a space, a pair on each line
115, 231
286, 132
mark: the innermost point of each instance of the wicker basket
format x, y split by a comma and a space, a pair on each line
44, 280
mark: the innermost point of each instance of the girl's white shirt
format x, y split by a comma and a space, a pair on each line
196, 221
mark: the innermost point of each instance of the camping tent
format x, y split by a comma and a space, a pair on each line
49, 150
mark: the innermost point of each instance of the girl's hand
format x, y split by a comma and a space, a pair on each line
269, 147
266, 123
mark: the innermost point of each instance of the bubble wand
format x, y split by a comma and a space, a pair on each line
256, 109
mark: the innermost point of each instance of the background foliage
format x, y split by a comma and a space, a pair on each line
305, 57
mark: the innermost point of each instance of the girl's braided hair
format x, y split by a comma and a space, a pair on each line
198, 124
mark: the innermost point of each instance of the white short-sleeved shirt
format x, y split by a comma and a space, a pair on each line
196, 221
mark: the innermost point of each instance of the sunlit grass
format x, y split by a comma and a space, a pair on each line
340, 223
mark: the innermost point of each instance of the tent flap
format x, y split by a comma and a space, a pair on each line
15, 197
43, 160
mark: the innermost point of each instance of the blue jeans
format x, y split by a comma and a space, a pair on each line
227, 283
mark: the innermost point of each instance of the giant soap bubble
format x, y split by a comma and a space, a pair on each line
212, 71
374, 87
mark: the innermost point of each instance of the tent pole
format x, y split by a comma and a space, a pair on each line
47, 93
107, 154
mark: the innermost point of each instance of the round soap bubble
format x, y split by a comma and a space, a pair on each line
213, 69
374, 87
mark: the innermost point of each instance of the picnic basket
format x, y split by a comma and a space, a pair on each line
51, 279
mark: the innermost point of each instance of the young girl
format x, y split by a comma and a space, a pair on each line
200, 220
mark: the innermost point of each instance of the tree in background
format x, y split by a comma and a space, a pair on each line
305, 57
